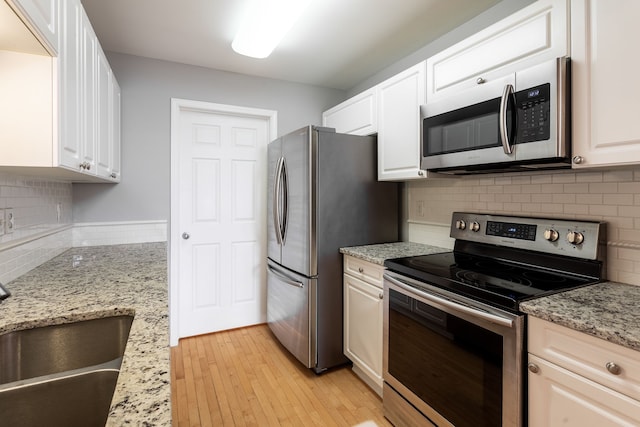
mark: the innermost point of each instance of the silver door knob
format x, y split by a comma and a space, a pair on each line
578, 160
185, 236
614, 368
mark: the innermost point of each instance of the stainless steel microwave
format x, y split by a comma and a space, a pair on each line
521, 121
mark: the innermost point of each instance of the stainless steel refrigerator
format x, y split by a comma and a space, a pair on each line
323, 195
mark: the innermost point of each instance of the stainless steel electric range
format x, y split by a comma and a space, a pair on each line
454, 337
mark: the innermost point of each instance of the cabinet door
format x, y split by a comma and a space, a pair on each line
558, 397
114, 128
605, 93
42, 18
534, 34
355, 116
103, 113
89, 96
363, 326
70, 78
399, 100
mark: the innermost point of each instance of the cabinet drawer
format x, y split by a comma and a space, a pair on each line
364, 270
586, 356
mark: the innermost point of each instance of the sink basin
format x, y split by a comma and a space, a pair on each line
51, 349
79, 399
62, 375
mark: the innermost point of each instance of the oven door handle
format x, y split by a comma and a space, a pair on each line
449, 304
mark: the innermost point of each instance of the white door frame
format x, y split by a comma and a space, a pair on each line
177, 106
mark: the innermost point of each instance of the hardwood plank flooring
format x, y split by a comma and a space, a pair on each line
244, 377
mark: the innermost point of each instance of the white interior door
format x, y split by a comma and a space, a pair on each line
218, 224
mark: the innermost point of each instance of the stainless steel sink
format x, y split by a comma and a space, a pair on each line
62, 375
50, 349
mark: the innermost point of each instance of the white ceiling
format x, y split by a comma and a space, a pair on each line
336, 43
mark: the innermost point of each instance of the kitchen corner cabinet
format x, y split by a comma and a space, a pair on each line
579, 380
355, 116
536, 33
399, 100
605, 92
363, 304
392, 110
41, 17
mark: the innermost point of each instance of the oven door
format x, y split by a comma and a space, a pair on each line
459, 362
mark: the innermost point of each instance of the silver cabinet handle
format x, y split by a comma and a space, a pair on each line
480, 81
578, 160
614, 368
113, 175
533, 368
185, 236
360, 270
420, 173
380, 295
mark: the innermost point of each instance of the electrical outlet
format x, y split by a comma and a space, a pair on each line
1, 222
9, 221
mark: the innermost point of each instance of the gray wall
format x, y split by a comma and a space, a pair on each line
147, 87
483, 20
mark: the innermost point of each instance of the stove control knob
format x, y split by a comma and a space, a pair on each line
475, 226
551, 235
460, 224
575, 237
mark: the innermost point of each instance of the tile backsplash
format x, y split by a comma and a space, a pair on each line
42, 210
605, 195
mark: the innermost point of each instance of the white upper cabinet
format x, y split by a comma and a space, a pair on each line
57, 112
532, 35
392, 110
41, 16
355, 116
399, 100
605, 91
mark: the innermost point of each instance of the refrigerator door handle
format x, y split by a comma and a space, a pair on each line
276, 201
285, 201
285, 279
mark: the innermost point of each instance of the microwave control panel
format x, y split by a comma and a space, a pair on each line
534, 111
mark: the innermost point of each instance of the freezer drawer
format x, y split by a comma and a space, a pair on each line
291, 312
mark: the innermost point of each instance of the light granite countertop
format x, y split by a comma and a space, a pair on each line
607, 310
377, 254
109, 280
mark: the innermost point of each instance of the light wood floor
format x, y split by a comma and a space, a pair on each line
244, 377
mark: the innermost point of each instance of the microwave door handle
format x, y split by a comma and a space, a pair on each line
276, 201
504, 133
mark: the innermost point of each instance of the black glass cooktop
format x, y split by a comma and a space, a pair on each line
495, 282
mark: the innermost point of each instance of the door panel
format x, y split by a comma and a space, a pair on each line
297, 251
221, 209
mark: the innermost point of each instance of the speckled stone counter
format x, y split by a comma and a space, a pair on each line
377, 254
109, 280
606, 310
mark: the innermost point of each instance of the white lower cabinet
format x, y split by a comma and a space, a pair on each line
363, 305
577, 380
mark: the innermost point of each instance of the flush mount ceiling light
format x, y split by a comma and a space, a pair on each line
264, 24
